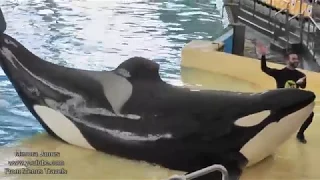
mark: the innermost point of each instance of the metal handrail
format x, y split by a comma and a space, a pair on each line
314, 22
284, 9
202, 172
270, 10
296, 15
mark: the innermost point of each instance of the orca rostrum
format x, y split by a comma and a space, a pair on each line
132, 113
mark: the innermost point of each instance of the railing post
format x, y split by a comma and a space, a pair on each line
270, 10
274, 22
254, 7
301, 22
287, 27
274, 27
313, 43
308, 33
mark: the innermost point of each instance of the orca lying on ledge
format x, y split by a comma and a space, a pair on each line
130, 112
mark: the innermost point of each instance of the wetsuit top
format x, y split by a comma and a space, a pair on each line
285, 78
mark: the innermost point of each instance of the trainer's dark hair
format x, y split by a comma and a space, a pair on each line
288, 53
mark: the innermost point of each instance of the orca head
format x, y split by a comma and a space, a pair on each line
282, 114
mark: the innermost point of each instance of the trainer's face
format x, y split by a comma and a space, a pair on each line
293, 60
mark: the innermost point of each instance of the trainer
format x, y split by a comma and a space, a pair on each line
287, 77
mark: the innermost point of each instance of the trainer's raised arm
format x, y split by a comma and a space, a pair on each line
262, 51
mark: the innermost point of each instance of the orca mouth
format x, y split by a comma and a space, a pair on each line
286, 109
286, 101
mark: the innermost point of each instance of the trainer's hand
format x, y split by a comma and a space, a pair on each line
301, 80
261, 49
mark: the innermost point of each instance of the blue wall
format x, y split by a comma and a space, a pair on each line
228, 44
226, 37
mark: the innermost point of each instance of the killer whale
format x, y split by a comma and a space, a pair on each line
132, 113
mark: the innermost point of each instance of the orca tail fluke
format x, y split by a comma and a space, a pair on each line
3, 24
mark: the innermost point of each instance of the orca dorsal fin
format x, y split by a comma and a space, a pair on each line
139, 68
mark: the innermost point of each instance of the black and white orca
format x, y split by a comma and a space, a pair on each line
132, 113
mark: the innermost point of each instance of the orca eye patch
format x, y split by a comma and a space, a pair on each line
253, 119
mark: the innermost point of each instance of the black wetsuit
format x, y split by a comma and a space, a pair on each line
286, 78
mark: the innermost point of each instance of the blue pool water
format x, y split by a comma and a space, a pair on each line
99, 35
